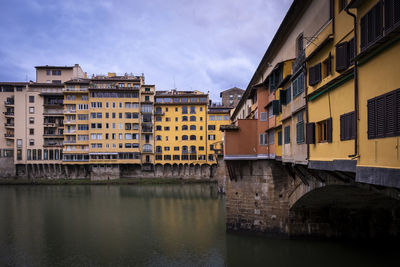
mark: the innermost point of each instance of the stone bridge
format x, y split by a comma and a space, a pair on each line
266, 196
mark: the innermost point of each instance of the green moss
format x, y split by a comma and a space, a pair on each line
138, 181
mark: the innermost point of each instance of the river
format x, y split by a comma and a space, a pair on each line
150, 225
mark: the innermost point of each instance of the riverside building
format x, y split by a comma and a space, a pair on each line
106, 126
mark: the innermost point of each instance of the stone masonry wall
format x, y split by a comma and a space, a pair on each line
256, 197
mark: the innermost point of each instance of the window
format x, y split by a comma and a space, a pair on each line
344, 55
314, 74
184, 127
270, 111
192, 110
31, 131
31, 99
48, 72
324, 131
166, 128
347, 126
371, 26
211, 127
211, 137
158, 128
384, 115
287, 135
263, 139
279, 138
300, 128
263, 116
176, 148
184, 118
210, 157
298, 85
56, 72
85, 98
326, 67
31, 110
299, 45
184, 137
31, 142
31, 120
176, 157
192, 118
392, 15
184, 110
167, 157
158, 119
192, 137
271, 137
212, 118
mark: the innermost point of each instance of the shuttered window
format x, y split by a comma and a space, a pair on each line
351, 50
392, 15
314, 75
298, 85
371, 26
384, 115
287, 135
282, 96
342, 58
279, 138
275, 107
310, 133
288, 95
348, 126
300, 128
263, 116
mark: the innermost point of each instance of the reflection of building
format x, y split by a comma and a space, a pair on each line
231, 97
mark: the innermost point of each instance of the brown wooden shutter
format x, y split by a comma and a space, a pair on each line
275, 107
364, 29
380, 116
378, 20
390, 114
314, 74
371, 119
282, 96
396, 12
389, 14
310, 133
311, 75
398, 112
353, 125
342, 127
341, 57
329, 130
351, 47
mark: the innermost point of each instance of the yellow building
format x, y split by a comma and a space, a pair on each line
180, 127
353, 81
108, 120
218, 115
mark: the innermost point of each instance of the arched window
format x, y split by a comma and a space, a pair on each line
193, 149
192, 137
184, 127
184, 137
158, 149
192, 118
184, 118
193, 127
184, 149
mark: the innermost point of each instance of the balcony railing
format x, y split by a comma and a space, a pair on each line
158, 113
69, 111
7, 135
147, 129
7, 113
9, 124
298, 63
9, 103
69, 141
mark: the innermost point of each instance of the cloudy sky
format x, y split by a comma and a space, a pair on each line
208, 45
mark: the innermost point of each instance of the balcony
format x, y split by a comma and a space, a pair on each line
147, 129
69, 111
70, 132
9, 102
9, 125
53, 135
9, 135
8, 113
69, 141
53, 112
76, 90
53, 144
298, 64
159, 113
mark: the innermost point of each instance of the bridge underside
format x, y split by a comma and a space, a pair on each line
267, 197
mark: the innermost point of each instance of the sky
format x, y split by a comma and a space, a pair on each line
207, 45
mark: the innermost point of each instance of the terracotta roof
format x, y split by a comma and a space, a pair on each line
54, 67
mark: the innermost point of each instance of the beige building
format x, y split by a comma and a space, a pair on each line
231, 97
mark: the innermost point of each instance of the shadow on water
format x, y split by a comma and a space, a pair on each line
150, 225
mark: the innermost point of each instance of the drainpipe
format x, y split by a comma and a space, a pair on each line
306, 96
355, 155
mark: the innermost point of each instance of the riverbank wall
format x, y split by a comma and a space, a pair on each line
111, 172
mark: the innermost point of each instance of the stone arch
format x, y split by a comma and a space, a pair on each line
158, 170
167, 170
205, 171
175, 170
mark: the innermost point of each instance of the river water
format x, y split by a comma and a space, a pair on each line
150, 225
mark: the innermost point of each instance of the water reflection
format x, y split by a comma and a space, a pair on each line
163, 225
